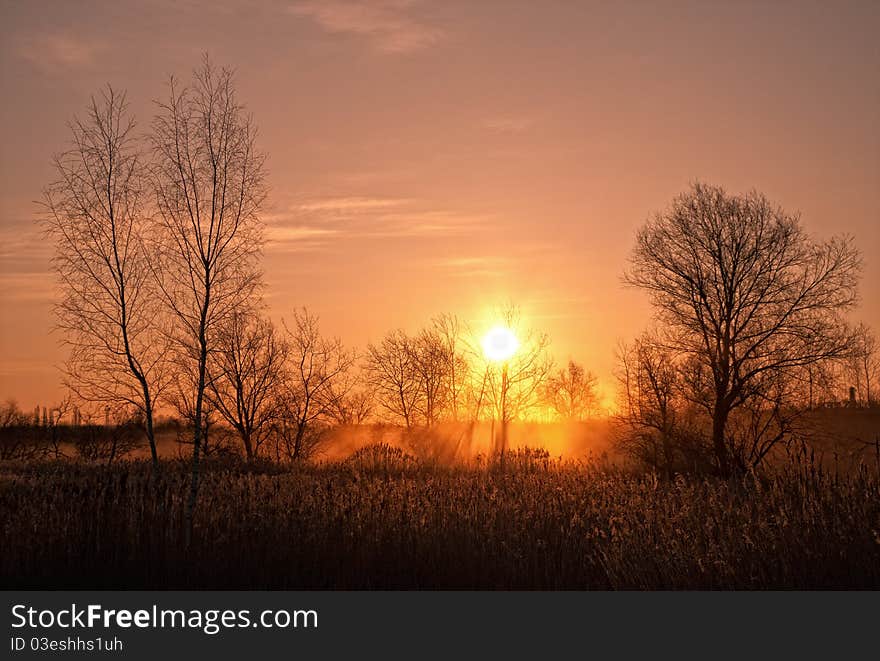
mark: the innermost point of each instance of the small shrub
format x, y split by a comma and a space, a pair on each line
381, 458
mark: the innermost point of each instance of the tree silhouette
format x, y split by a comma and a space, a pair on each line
863, 366
209, 183
315, 386
109, 307
514, 386
451, 334
432, 364
246, 374
744, 290
390, 371
648, 382
571, 392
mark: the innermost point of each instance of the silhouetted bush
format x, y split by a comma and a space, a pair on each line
382, 458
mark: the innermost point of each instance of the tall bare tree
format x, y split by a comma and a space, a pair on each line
571, 392
108, 309
746, 291
317, 379
818, 383
210, 185
432, 363
352, 402
452, 333
649, 382
863, 366
390, 371
246, 373
514, 386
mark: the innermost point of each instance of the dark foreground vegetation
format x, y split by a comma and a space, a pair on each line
381, 520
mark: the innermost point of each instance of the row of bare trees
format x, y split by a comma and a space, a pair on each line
439, 375
281, 391
158, 239
285, 387
157, 244
24, 438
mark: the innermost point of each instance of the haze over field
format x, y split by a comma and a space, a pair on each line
429, 157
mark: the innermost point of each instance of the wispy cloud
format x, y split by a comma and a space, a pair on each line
314, 223
508, 124
22, 241
485, 266
515, 259
25, 273
19, 287
58, 52
425, 223
389, 25
297, 238
17, 368
348, 204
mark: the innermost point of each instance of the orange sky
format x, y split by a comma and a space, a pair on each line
433, 157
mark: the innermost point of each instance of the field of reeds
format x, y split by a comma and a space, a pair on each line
381, 520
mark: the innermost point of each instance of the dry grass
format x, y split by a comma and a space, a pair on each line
380, 522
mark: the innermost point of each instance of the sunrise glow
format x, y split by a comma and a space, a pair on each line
499, 344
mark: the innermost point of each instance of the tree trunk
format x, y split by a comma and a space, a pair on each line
719, 444
667, 454
194, 479
151, 434
248, 447
503, 413
197, 433
297, 441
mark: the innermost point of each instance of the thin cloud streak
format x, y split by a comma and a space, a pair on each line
475, 267
313, 224
352, 204
508, 124
58, 53
388, 25
20, 287
297, 238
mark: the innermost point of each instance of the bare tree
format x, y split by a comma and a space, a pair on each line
352, 402
746, 291
648, 378
246, 372
108, 310
210, 185
316, 385
514, 386
571, 392
390, 371
20, 438
818, 383
432, 363
657, 422
107, 442
451, 333
863, 366
419, 380
12, 416
763, 422
216, 437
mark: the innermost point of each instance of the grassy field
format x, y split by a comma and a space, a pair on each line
381, 520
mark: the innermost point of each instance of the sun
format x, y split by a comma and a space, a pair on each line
500, 343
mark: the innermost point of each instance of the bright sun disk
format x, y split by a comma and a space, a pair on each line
500, 343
